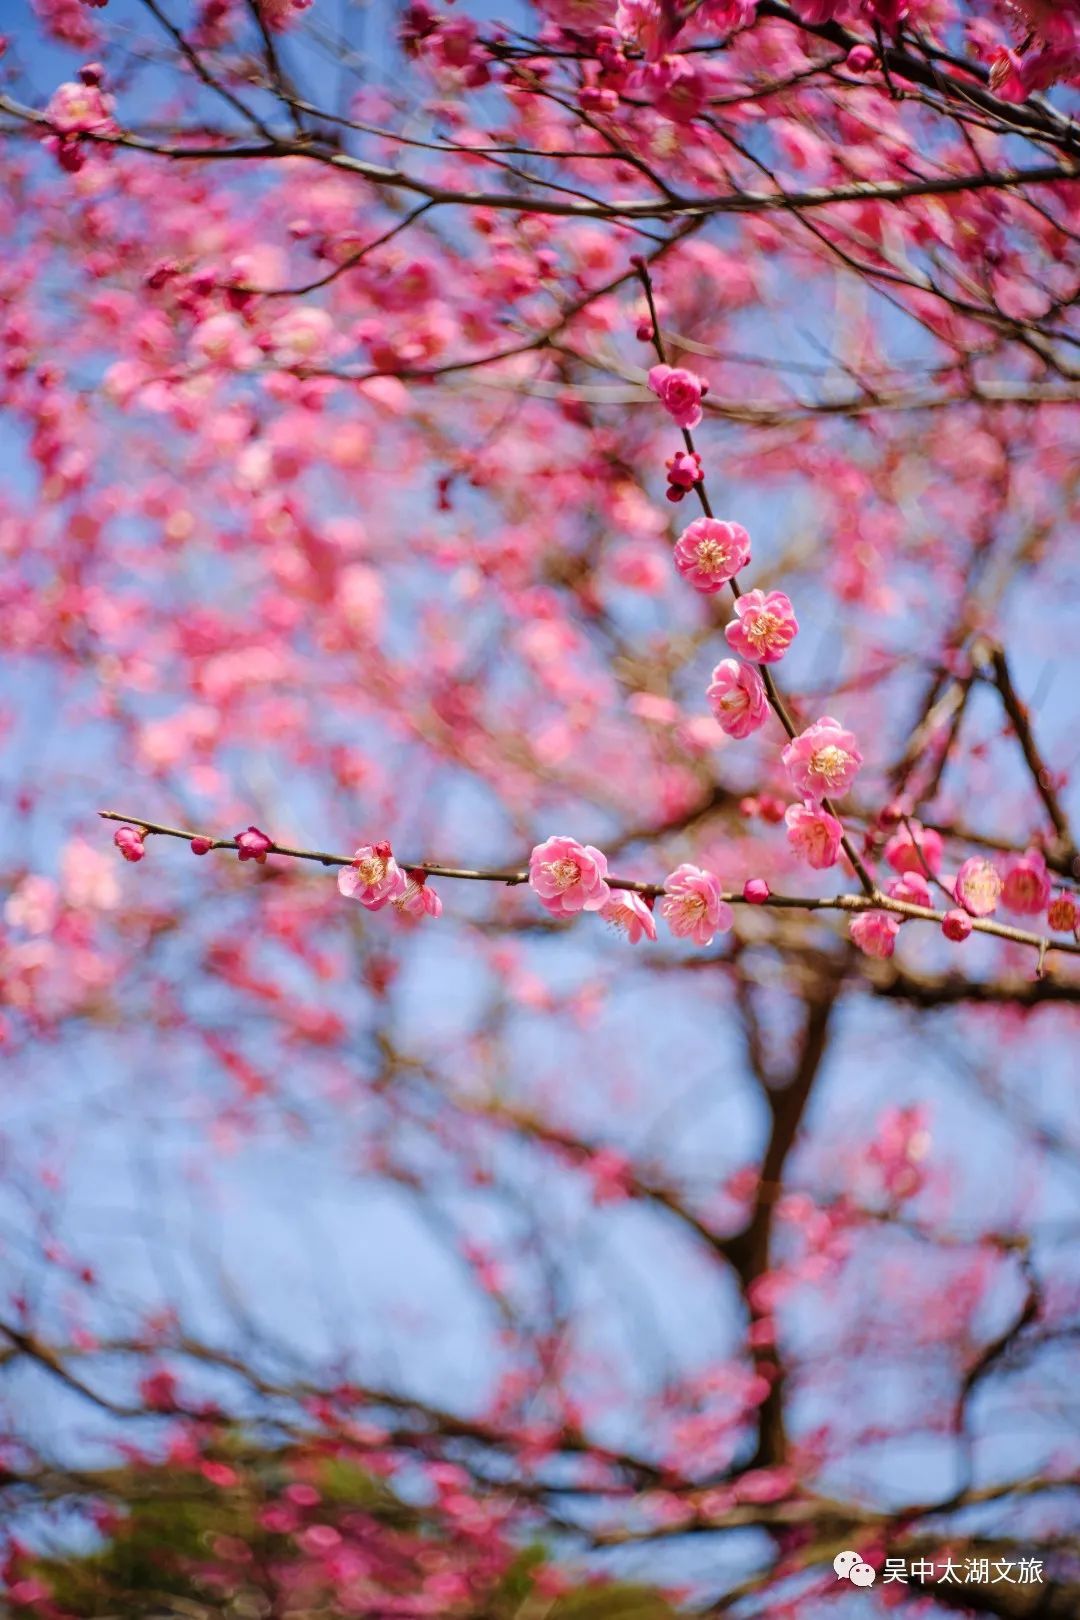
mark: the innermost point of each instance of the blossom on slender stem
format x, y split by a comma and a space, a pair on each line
763, 628
977, 886
813, 834
129, 841
418, 899
823, 760
253, 845
737, 698
679, 392
1026, 884
629, 913
874, 932
694, 906
710, 552
374, 878
568, 877
956, 925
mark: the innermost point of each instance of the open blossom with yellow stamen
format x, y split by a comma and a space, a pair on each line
694, 906
823, 760
628, 913
763, 628
568, 876
737, 698
374, 878
977, 886
709, 553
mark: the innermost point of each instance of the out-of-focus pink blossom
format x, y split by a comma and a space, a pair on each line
977, 886
874, 932
917, 850
1025, 886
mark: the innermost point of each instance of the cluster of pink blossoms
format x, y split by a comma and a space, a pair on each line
376, 880
569, 877
824, 759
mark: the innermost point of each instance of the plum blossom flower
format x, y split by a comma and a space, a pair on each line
763, 628
1062, 914
813, 834
1026, 884
737, 698
253, 845
418, 900
683, 472
80, 109
912, 887
129, 841
568, 877
874, 932
956, 925
679, 392
823, 760
374, 878
917, 850
977, 886
629, 913
301, 336
694, 906
709, 553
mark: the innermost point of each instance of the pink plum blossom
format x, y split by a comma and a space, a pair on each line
917, 850
813, 834
253, 845
823, 760
956, 925
709, 553
1062, 914
129, 841
763, 628
680, 393
1026, 884
874, 932
568, 877
629, 913
977, 886
737, 698
694, 906
374, 878
419, 900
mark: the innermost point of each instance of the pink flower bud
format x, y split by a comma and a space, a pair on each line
956, 925
129, 841
202, 845
860, 59
756, 891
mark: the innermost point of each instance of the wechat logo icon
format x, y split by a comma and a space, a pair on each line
850, 1567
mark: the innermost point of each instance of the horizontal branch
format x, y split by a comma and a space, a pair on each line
615, 208
512, 877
